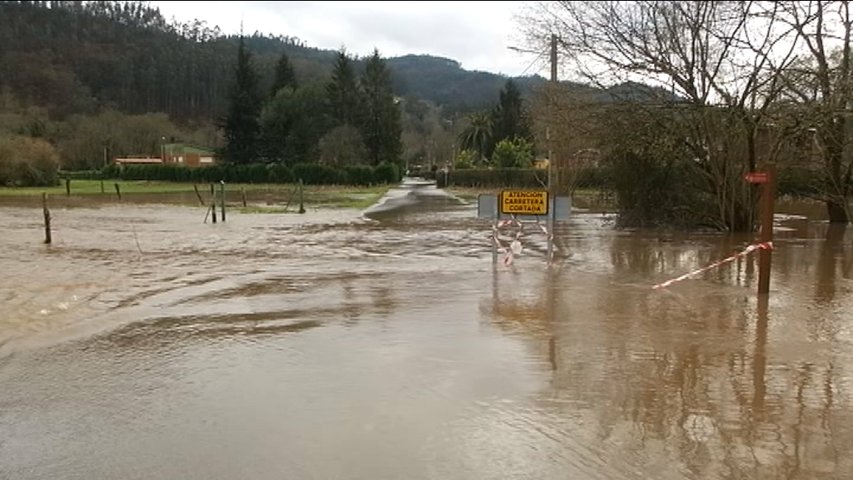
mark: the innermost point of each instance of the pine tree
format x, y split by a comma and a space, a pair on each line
344, 95
509, 119
381, 128
241, 124
284, 75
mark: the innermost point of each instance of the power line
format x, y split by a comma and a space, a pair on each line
539, 57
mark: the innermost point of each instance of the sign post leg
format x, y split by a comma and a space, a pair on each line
550, 226
495, 241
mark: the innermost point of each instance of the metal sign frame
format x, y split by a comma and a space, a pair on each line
558, 208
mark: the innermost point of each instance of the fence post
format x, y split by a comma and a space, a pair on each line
213, 203
301, 198
118, 192
47, 238
197, 194
222, 197
243, 196
67, 186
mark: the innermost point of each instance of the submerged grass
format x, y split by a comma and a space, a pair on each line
91, 187
276, 196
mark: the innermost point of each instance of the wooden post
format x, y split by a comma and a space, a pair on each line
67, 186
222, 197
243, 196
118, 192
102, 186
47, 238
197, 194
768, 199
301, 198
213, 203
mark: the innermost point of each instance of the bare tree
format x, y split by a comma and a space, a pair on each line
820, 89
715, 65
568, 121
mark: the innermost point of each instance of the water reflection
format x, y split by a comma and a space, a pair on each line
828, 265
720, 384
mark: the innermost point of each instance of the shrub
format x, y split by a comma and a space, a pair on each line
800, 181
387, 173
279, 173
498, 178
26, 162
465, 159
515, 153
652, 190
313, 174
359, 174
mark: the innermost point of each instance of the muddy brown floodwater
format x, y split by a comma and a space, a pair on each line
145, 344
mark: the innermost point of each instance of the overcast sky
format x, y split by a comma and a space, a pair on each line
477, 34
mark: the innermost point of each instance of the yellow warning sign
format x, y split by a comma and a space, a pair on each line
524, 203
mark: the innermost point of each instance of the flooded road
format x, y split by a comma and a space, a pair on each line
146, 344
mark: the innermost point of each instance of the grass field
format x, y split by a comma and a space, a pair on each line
330, 196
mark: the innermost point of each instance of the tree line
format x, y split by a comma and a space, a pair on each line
351, 119
77, 57
501, 137
91, 81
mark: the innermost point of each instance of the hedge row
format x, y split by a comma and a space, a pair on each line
794, 181
495, 178
801, 182
510, 177
311, 174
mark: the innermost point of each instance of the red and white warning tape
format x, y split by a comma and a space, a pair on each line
513, 246
550, 236
743, 253
507, 250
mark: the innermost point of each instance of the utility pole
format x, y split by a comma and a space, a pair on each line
551, 114
552, 193
554, 57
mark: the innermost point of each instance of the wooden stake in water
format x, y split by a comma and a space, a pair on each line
301, 198
198, 194
47, 238
213, 202
222, 197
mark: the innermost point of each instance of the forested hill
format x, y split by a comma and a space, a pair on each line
445, 82
78, 57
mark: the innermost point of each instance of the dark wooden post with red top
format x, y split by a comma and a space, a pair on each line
767, 179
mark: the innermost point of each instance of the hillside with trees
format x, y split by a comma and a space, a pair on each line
76, 57
98, 80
